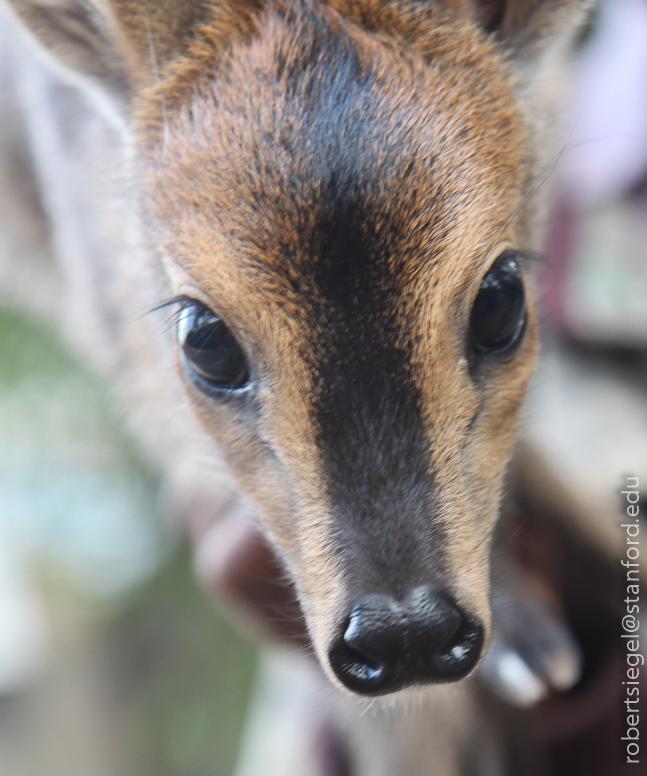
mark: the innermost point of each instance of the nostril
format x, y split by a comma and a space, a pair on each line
357, 667
363, 656
444, 645
457, 656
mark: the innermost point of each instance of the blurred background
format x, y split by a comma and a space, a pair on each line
111, 661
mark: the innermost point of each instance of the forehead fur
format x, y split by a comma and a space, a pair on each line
317, 126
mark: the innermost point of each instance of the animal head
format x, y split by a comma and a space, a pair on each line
343, 196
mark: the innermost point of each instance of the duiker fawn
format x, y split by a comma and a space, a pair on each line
340, 200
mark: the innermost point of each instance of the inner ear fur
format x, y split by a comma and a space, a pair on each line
527, 27
125, 44
80, 34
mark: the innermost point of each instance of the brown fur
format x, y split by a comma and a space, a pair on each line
224, 98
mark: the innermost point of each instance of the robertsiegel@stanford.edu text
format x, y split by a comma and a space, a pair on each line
630, 620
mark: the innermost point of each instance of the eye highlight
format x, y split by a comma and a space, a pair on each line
210, 350
499, 312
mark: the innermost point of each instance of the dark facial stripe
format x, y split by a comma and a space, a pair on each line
342, 254
366, 406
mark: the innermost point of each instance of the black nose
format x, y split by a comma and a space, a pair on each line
387, 645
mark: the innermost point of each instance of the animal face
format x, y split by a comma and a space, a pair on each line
337, 204
343, 205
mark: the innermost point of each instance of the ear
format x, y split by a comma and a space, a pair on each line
529, 28
83, 36
123, 44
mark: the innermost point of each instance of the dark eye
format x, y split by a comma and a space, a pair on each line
499, 312
209, 348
